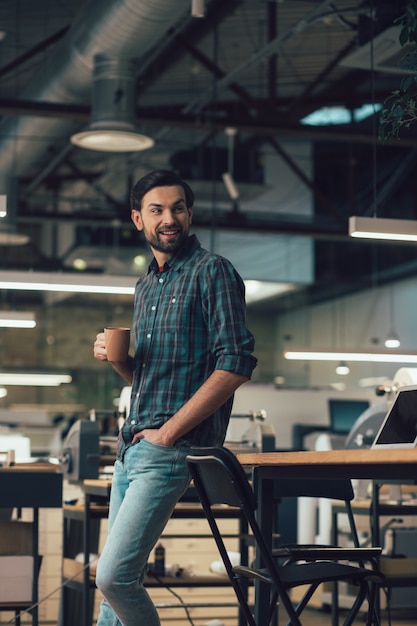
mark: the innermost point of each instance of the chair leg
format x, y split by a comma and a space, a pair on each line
373, 613
304, 601
361, 596
243, 604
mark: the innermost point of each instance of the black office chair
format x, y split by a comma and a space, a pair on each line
220, 479
340, 490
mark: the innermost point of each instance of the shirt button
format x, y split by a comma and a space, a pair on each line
153, 308
173, 300
148, 335
161, 280
133, 422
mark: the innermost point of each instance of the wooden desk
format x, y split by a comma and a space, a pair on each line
31, 486
360, 463
332, 464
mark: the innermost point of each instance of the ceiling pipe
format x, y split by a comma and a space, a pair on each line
117, 27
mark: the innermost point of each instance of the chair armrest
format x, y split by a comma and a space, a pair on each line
314, 552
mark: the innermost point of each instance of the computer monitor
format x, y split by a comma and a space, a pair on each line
344, 413
399, 428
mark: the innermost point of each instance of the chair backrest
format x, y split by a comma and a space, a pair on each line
226, 483
219, 475
339, 489
220, 479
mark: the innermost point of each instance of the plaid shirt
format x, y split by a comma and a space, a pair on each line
189, 320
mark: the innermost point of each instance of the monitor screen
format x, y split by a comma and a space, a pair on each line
344, 413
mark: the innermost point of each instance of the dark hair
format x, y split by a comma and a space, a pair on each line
159, 178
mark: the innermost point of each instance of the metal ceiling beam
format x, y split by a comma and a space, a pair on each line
97, 188
320, 230
272, 67
242, 94
326, 71
327, 203
253, 126
225, 220
30, 54
264, 53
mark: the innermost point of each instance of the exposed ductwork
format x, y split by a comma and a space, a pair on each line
128, 28
113, 127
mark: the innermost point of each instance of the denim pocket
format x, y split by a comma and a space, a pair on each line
157, 445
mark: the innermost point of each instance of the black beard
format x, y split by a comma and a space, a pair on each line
167, 247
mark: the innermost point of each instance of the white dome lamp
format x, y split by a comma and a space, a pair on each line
342, 369
113, 128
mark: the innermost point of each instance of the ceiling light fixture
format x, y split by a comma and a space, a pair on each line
370, 356
9, 235
112, 285
257, 290
67, 283
33, 380
17, 319
230, 185
392, 341
112, 128
342, 369
198, 8
378, 228
228, 179
383, 228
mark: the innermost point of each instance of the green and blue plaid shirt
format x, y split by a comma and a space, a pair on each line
189, 320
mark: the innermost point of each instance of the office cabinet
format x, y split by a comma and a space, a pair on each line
33, 488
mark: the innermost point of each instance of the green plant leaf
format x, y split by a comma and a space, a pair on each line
403, 36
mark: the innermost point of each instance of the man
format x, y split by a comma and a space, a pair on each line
192, 351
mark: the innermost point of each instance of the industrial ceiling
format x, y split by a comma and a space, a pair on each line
226, 91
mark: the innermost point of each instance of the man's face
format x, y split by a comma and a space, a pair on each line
164, 219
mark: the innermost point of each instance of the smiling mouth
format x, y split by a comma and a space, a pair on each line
169, 233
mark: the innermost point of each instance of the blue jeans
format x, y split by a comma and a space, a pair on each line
146, 486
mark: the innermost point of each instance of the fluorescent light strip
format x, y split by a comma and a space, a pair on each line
17, 323
105, 284
35, 380
17, 319
3, 199
82, 283
359, 356
386, 229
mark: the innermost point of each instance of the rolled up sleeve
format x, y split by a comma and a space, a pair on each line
225, 311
